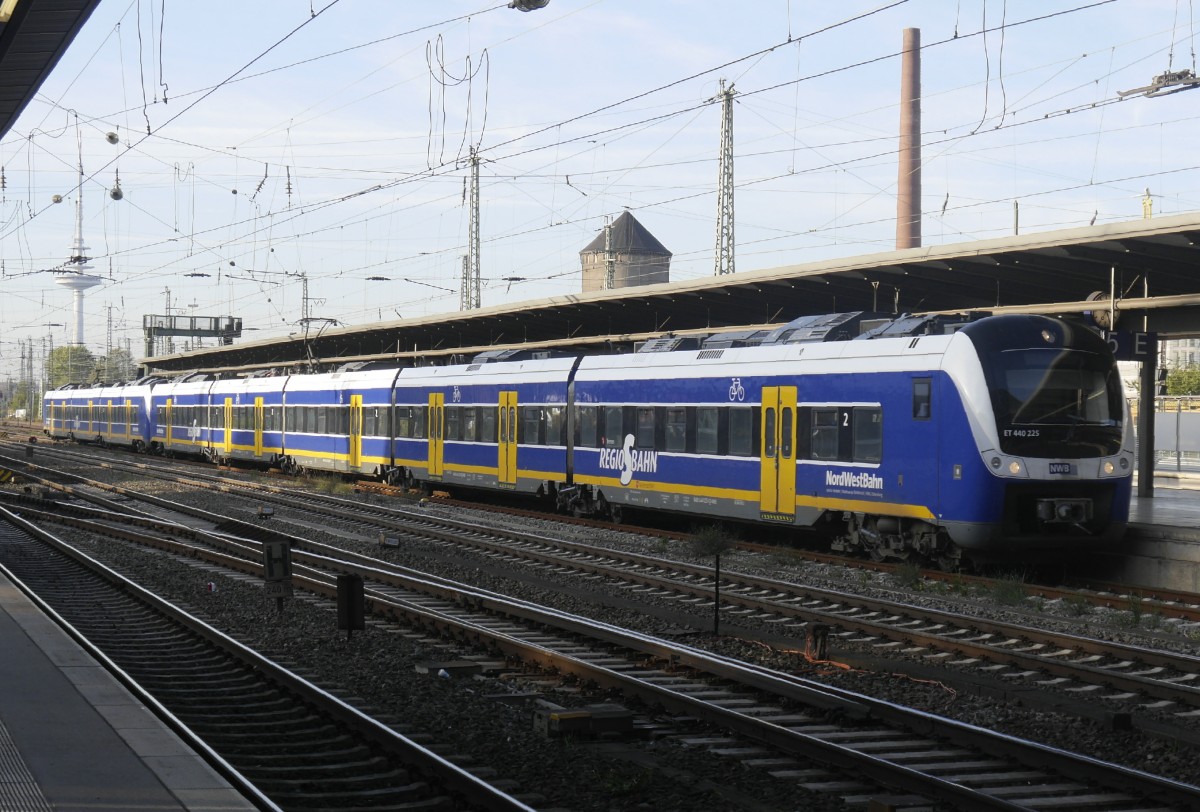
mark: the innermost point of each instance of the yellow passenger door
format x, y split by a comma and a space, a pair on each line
507, 425
258, 426
228, 425
777, 498
435, 425
356, 422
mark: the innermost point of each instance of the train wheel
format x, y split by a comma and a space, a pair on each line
615, 513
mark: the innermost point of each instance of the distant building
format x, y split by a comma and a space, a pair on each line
638, 258
1182, 353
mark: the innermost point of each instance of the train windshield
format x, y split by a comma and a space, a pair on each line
1056, 402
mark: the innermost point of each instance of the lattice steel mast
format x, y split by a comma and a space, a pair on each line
470, 298
724, 251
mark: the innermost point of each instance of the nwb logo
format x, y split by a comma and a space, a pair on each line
849, 479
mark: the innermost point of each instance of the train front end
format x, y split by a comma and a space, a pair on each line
1049, 423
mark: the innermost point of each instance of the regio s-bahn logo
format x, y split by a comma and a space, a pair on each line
628, 460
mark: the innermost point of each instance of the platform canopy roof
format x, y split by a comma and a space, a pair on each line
34, 34
1053, 271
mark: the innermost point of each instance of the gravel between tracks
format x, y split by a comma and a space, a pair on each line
379, 666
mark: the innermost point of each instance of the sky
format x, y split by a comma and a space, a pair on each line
272, 149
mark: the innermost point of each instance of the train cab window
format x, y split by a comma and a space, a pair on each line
922, 390
707, 430
676, 429
645, 427
531, 425
824, 434
585, 419
487, 424
868, 435
741, 432
614, 427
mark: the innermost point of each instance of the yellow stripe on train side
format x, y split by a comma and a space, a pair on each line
802, 501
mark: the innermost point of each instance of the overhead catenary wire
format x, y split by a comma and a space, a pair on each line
556, 143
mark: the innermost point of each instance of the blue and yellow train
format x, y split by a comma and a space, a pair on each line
916, 437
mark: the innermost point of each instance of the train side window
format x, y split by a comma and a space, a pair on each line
585, 418
470, 424
824, 434
453, 423
531, 424
868, 435
487, 424
676, 429
403, 421
420, 416
614, 427
922, 400
556, 426
741, 432
645, 427
707, 425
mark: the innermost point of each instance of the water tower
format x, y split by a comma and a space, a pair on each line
76, 277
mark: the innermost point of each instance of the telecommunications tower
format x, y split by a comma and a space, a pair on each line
75, 276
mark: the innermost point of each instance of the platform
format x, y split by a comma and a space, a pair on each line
1175, 504
74, 739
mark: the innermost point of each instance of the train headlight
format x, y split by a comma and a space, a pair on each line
1014, 467
1124, 464
995, 462
1109, 467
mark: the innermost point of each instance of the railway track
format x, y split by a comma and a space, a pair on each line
1081, 667
298, 746
786, 717
1148, 600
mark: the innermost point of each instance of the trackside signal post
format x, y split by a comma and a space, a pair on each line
277, 571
